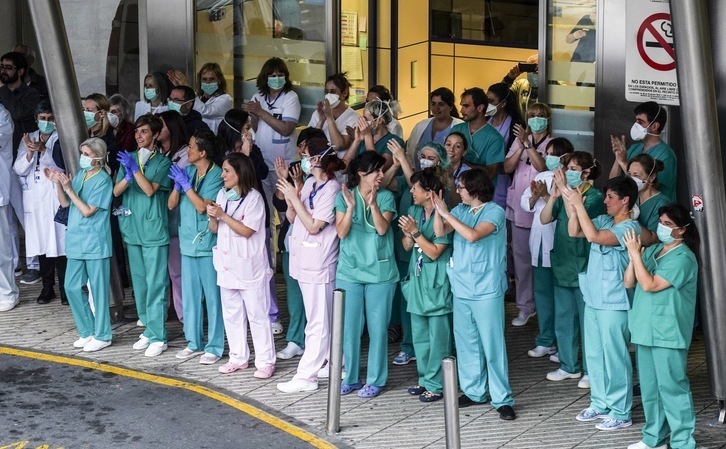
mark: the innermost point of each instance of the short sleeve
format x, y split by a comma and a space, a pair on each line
340, 204
314, 119
495, 216
557, 208
212, 185
386, 202
678, 270
291, 108
161, 173
325, 202
101, 194
620, 229
593, 203
252, 212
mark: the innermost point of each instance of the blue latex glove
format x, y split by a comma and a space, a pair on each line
180, 177
131, 165
177, 187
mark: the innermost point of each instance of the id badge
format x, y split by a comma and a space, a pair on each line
36, 175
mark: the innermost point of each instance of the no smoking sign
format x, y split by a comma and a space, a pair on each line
655, 42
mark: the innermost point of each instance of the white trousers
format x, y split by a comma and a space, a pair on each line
318, 301
240, 307
8, 288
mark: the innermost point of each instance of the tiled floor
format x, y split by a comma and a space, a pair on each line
545, 409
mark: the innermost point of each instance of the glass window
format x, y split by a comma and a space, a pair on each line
498, 22
354, 52
240, 35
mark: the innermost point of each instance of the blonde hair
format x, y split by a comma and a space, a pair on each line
99, 148
103, 105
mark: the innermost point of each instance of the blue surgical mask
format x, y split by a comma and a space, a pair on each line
86, 163
537, 124
45, 127
533, 79
174, 107
232, 195
664, 234
210, 88
553, 162
574, 178
275, 82
150, 93
90, 118
305, 165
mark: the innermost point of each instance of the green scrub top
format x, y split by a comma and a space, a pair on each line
661, 152
665, 318
195, 240
602, 284
569, 255
486, 146
405, 200
649, 211
426, 287
365, 256
90, 238
148, 224
478, 270
382, 145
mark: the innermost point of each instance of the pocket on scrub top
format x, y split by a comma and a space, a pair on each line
482, 279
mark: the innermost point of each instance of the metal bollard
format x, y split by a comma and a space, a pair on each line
336, 362
451, 403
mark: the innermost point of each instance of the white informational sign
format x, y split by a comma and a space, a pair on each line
650, 55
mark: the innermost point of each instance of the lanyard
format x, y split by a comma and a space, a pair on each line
458, 172
200, 181
365, 215
272, 105
241, 200
314, 193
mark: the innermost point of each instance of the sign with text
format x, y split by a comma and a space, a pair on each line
650, 53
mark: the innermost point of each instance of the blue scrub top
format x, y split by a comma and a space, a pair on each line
486, 146
661, 152
478, 270
382, 145
195, 240
602, 284
90, 238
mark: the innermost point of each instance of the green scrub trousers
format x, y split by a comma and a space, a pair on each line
150, 281
78, 273
544, 301
199, 283
433, 337
295, 306
569, 322
400, 314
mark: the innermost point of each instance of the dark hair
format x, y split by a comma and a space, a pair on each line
478, 97
586, 161
654, 113
341, 82
650, 165
560, 146
478, 184
681, 217
504, 93
366, 162
330, 163
447, 96
43, 107
188, 92
162, 83
431, 179
178, 131
242, 165
310, 133
622, 186
123, 103
382, 92
19, 60
154, 122
207, 142
463, 139
230, 128
271, 66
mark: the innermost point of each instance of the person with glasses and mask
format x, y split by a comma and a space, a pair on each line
18, 98
156, 92
650, 119
181, 100
212, 99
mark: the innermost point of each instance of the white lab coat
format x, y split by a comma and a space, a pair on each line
214, 110
43, 236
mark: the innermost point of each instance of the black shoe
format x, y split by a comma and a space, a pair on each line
46, 296
636, 390
466, 401
506, 412
64, 299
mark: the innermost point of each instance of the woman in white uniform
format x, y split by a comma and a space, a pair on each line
156, 92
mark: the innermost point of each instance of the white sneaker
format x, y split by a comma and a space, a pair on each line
81, 342
9, 304
541, 351
155, 349
140, 323
555, 358
143, 343
559, 375
584, 383
187, 353
290, 351
209, 359
522, 318
96, 345
297, 386
277, 328
641, 445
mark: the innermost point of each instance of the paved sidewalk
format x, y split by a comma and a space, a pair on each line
545, 410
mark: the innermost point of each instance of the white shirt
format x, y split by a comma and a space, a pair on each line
541, 234
285, 107
348, 118
213, 110
144, 107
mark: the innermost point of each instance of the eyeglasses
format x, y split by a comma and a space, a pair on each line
176, 100
8, 68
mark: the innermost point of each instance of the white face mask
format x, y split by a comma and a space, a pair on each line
491, 110
144, 155
112, 119
639, 183
426, 163
637, 132
333, 99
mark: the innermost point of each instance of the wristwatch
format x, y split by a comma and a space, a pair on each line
416, 234
527, 147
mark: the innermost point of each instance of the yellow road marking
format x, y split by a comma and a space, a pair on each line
255, 412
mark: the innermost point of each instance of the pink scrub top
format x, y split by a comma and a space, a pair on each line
523, 176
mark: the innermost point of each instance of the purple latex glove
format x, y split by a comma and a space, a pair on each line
177, 187
180, 177
131, 164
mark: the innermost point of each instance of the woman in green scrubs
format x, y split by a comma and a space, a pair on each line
426, 288
143, 183
194, 187
88, 243
366, 270
644, 171
665, 277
